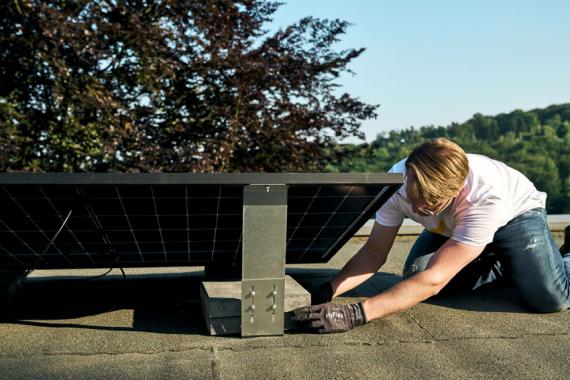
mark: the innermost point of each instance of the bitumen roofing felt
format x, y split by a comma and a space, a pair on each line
61, 325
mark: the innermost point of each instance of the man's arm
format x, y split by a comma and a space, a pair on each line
450, 258
367, 261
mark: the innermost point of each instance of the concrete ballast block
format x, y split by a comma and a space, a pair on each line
221, 304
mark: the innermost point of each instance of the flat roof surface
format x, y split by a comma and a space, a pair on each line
151, 325
556, 223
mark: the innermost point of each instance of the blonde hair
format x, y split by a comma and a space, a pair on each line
438, 169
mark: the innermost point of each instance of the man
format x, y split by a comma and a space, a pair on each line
483, 220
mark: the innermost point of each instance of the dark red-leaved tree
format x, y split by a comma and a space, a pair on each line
169, 85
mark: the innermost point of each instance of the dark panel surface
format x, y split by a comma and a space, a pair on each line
153, 224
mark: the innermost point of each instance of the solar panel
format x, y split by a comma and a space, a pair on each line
56, 220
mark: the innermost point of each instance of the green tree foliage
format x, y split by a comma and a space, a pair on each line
169, 85
536, 143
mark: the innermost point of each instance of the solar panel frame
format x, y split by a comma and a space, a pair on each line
199, 178
92, 183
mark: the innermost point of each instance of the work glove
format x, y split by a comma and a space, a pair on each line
322, 294
329, 318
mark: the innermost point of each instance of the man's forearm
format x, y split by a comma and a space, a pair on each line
451, 257
360, 268
401, 296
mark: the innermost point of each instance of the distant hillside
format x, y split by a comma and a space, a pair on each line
536, 142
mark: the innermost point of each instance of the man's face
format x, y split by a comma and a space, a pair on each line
424, 210
421, 207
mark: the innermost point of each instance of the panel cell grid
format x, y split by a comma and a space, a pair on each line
167, 224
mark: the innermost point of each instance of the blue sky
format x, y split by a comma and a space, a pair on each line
438, 61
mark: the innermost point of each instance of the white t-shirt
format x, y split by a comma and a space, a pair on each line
494, 193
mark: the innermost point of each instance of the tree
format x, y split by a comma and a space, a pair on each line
167, 85
536, 142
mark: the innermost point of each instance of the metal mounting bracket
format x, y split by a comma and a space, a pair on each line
263, 260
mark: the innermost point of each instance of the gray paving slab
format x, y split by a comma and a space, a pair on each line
62, 326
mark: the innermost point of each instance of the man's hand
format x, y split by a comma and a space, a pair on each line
330, 318
322, 294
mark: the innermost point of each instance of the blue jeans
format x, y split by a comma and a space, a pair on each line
522, 251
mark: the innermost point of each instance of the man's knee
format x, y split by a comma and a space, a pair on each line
550, 306
419, 264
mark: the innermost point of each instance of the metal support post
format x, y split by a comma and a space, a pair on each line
263, 260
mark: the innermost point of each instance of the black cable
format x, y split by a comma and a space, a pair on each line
104, 274
96, 277
124, 275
